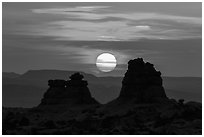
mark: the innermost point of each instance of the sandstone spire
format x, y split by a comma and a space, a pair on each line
70, 92
142, 82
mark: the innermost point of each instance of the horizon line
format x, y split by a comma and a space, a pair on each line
92, 73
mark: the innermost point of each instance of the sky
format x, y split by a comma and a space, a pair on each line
70, 36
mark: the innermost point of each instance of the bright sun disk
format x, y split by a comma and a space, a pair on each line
106, 62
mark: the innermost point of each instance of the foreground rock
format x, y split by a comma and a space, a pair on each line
143, 119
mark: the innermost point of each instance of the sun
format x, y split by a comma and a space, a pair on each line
106, 62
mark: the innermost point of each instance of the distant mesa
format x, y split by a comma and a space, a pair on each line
142, 82
70, 92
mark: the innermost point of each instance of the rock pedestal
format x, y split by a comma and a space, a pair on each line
142, 82
70, 92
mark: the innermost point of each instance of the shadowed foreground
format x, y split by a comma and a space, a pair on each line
141, 108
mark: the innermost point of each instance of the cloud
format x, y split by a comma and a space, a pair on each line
82, 55
101, 23
90, 13
82, 30
112, 31
67, 10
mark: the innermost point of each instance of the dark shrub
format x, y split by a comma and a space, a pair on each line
24, 121
50, 124
9, 121
181, 101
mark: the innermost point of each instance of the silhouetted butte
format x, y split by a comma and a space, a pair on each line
142, 82
70, 92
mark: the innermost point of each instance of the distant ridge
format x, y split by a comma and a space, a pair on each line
10, 75
104, 89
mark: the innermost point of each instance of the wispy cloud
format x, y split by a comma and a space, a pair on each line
67, 10
80, 54
90, 13
94, 23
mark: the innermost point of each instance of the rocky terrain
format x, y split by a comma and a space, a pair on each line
142, 108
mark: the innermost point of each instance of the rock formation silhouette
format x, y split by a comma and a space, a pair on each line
142, 82
70, 92
135, 111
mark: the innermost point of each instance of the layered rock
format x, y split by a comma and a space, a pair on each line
142, 82
70, 92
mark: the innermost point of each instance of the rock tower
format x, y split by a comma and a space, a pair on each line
70, 92
142, 82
